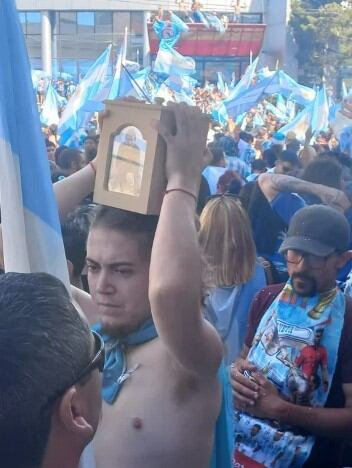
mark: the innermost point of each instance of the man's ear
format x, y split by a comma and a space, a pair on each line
344, 258
71, 414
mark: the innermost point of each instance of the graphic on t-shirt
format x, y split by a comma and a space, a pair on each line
296, 349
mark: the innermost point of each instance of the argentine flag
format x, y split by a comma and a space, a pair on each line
170, 62
49, 114
30, 222
88, 90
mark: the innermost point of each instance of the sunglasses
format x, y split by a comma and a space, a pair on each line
97, 362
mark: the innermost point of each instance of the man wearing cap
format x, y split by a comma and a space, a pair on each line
295, 373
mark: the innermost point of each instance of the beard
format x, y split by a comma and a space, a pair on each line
303, 285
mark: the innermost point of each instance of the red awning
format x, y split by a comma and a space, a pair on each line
239, 40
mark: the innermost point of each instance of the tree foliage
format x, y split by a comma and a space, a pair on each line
323, 34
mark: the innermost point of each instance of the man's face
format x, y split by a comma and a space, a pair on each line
317, 337
50, 152
306, 281
89, 146
118, 280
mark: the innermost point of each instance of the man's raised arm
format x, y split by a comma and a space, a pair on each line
175, 287
271, 184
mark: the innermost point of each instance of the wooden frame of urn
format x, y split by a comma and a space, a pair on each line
145, 197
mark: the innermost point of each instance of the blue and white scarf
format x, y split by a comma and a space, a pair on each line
115, 368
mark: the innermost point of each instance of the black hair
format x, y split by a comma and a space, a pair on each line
247, 137
293, 145
65, 158
324, 170
141, 226
91, 137
44, 344
258, 165
269, 157
290, 157
218, 155
75, 231
58, 151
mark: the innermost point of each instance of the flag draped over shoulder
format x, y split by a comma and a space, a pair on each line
30, 223
89, 89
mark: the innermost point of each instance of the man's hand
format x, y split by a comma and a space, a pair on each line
334, 198
245, 389
185, 149
269, 404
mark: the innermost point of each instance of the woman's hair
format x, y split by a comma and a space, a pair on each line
225, 236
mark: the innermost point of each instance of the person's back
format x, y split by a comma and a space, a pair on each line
49, 387
235, 274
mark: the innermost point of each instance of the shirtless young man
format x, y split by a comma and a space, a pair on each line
163, 414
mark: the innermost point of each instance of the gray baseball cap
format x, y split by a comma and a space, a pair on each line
319, 230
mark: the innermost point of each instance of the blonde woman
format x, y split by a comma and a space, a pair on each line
236, 276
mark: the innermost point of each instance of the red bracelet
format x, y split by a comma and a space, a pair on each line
93, 167
183, 191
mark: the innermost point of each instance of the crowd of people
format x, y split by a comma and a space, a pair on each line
222, 327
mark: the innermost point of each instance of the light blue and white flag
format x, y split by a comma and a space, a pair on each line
219, 113
181, 84
277, 112
300, 124
320, 112
281, 103
88, 90
344, 91
279, 82
50, 114
170, 62
245, 82
120, 63
30, 223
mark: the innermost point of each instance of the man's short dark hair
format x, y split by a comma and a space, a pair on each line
293, 145
270, 157
258, 165
141, 226
217, 154
67, 156
75, 231
324, 170
44, 344
290, 157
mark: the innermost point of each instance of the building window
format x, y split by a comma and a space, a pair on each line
67, 23
85, 22
121, 21
137, 26
103, 22
33, 22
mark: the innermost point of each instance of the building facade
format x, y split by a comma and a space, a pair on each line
66, 36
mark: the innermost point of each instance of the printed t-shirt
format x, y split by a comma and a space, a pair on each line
326, 452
